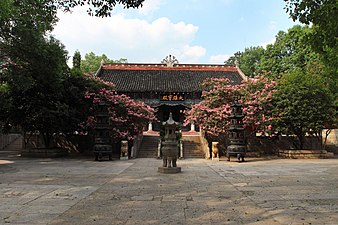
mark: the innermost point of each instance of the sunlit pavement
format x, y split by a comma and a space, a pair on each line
84, 191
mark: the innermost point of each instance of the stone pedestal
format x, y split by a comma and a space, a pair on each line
305, 154
169, 169
44, 152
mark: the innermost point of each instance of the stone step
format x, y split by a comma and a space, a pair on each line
148, 148
192, 154
192, 147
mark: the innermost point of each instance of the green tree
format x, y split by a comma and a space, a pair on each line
36, 89
77, 60
233, 60
290, 51
17, 19
15, 22
35, 68
250, 60
323, 15
303, 105
91, 63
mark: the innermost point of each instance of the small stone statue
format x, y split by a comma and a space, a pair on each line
215, 152
124, 150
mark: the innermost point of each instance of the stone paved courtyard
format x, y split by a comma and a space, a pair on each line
83, 191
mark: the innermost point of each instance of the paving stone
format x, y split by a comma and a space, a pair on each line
83, 191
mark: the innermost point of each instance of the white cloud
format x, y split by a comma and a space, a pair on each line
218, 59
149, 6
135, 39
194, 51
190, 54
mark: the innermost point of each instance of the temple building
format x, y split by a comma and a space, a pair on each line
167, 86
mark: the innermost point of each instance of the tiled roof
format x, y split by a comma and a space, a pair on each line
159, 78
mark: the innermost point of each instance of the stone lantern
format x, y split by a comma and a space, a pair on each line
102, 142
236, 136
170, 147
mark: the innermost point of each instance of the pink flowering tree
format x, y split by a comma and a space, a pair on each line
212, 113
256, 96
127, 118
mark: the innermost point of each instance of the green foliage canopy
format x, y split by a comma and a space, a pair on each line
34, 72
250, 60
91, 63
77, 60
323, 15
35, 101
100, 8
289, 52
37, 90
303, 104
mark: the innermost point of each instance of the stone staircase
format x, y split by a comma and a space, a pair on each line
148, 148
192, 147
13, 149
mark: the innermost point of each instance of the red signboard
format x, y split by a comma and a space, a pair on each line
172, 97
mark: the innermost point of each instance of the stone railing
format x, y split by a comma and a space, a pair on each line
244, 77
136, 146
159, 149
205, 145
181, 149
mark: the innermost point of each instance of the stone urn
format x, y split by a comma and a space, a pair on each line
169, 148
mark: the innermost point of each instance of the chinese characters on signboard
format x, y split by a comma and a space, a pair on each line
172, 97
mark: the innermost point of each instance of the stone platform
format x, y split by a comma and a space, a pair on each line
305, 154
169, 169
44, 152
79, 190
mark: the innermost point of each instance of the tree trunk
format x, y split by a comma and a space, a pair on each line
26, 138
300, 136
327, 133
47, 137
301, 141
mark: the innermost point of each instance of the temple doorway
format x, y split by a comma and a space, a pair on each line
177, 111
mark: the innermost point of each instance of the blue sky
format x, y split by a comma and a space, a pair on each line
195, 31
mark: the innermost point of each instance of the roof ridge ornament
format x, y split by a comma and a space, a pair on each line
170, 61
